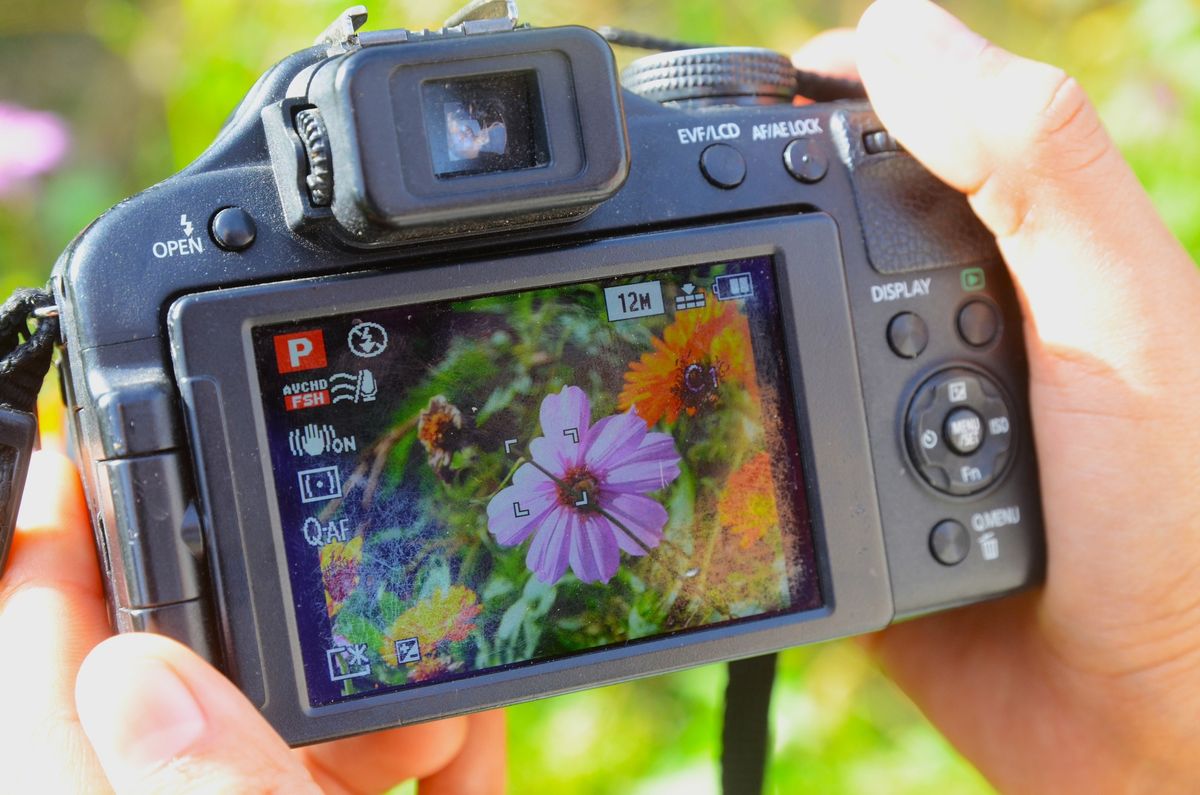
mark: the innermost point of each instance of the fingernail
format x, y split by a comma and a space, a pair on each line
919, 34
139, 715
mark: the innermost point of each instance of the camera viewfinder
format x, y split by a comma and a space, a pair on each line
482, 125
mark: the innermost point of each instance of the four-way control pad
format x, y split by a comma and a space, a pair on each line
959, 431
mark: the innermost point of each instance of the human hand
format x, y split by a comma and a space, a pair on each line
142, 714
1091, 684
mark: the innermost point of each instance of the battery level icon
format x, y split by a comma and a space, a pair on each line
733, 287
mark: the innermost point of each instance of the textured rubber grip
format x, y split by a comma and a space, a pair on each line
712, 72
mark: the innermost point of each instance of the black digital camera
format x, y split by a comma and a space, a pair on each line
456, 373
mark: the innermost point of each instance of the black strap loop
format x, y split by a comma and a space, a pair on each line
644, 41
25, 356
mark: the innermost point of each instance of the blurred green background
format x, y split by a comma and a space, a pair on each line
142, 86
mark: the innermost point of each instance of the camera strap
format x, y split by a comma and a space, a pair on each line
745, 736
25, 355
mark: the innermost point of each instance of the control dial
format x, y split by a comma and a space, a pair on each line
311, 128
714, 76
959, 431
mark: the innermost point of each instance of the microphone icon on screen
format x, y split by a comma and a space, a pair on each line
367, 388
360, 387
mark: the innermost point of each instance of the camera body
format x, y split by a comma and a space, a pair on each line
454, 374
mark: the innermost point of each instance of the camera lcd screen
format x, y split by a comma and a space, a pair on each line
477, 484
482, 125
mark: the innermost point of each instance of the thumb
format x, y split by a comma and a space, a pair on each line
1085, 245
163, 721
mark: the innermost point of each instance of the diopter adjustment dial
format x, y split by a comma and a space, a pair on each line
960, 431
311, 129
713, 75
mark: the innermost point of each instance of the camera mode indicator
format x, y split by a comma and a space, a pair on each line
628, 301
303, 350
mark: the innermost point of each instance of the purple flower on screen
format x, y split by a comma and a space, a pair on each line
31, 143
583, 496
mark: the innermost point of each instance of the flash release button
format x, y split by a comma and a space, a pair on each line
233, 229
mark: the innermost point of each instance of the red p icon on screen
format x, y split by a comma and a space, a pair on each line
304, 350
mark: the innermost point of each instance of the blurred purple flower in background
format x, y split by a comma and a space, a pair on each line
31, 143
583, 497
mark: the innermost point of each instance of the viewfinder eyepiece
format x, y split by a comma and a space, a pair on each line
467, 133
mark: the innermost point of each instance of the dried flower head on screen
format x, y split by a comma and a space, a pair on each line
439, 428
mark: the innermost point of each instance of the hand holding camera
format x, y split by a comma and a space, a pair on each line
1103, 654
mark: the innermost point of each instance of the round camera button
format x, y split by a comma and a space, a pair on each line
963, 430
233, 229
804, 161
723, 166
959, 431
907, 335
949, 542
978, 323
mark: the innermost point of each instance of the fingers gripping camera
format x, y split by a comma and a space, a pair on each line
488, 377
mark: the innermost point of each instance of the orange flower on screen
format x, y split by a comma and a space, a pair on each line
699, 352
747, 506
447, 616
339, 571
